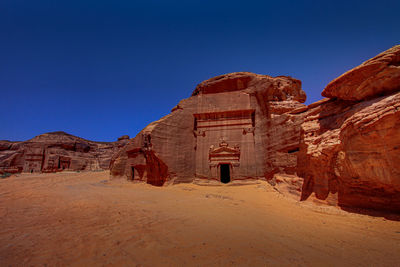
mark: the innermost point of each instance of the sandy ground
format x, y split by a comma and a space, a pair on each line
85, 219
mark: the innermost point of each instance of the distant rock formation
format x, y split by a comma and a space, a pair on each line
57, 151
249, 126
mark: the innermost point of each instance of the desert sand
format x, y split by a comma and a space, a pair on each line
84, 219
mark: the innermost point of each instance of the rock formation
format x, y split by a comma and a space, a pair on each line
57, 151
242, 126
378, 76
249, 126
233, 127
350, 143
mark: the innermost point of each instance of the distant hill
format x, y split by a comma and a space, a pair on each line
57, 151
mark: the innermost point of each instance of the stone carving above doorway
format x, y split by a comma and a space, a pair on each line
224, 153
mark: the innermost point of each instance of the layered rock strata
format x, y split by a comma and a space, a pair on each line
350, 143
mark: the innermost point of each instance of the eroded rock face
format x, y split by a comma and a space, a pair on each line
124, 137
225, 131
351, 148
375, 77
279, 88
57, 151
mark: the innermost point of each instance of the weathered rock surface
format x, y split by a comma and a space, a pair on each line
351, 148
375, 77
235, 125
56, 151
279, 88
124, 137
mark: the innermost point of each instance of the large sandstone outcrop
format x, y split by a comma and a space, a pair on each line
375, 77
57, 151
233, 127
245, 125
351, 148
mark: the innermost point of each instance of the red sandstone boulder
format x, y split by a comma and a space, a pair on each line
124, 137
375, 77
56, 151
351, 149
279, 88
5, 145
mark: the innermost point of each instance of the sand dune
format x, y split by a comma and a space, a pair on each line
85, 219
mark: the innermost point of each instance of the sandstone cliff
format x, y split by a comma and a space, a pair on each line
350, 143
233, 123
57, 151
248, 126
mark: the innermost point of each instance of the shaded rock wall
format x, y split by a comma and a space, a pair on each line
352, 147
57, 151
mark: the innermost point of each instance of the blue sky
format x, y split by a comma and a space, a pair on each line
101, 69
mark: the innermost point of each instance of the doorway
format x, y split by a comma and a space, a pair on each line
225, 173
133, 173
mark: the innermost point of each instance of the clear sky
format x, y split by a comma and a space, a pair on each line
102, 69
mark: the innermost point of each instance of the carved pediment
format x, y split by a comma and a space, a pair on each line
224, 151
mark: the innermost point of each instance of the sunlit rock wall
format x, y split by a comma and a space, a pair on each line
224, 122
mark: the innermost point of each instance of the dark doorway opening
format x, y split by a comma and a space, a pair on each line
133, 173
225, 173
